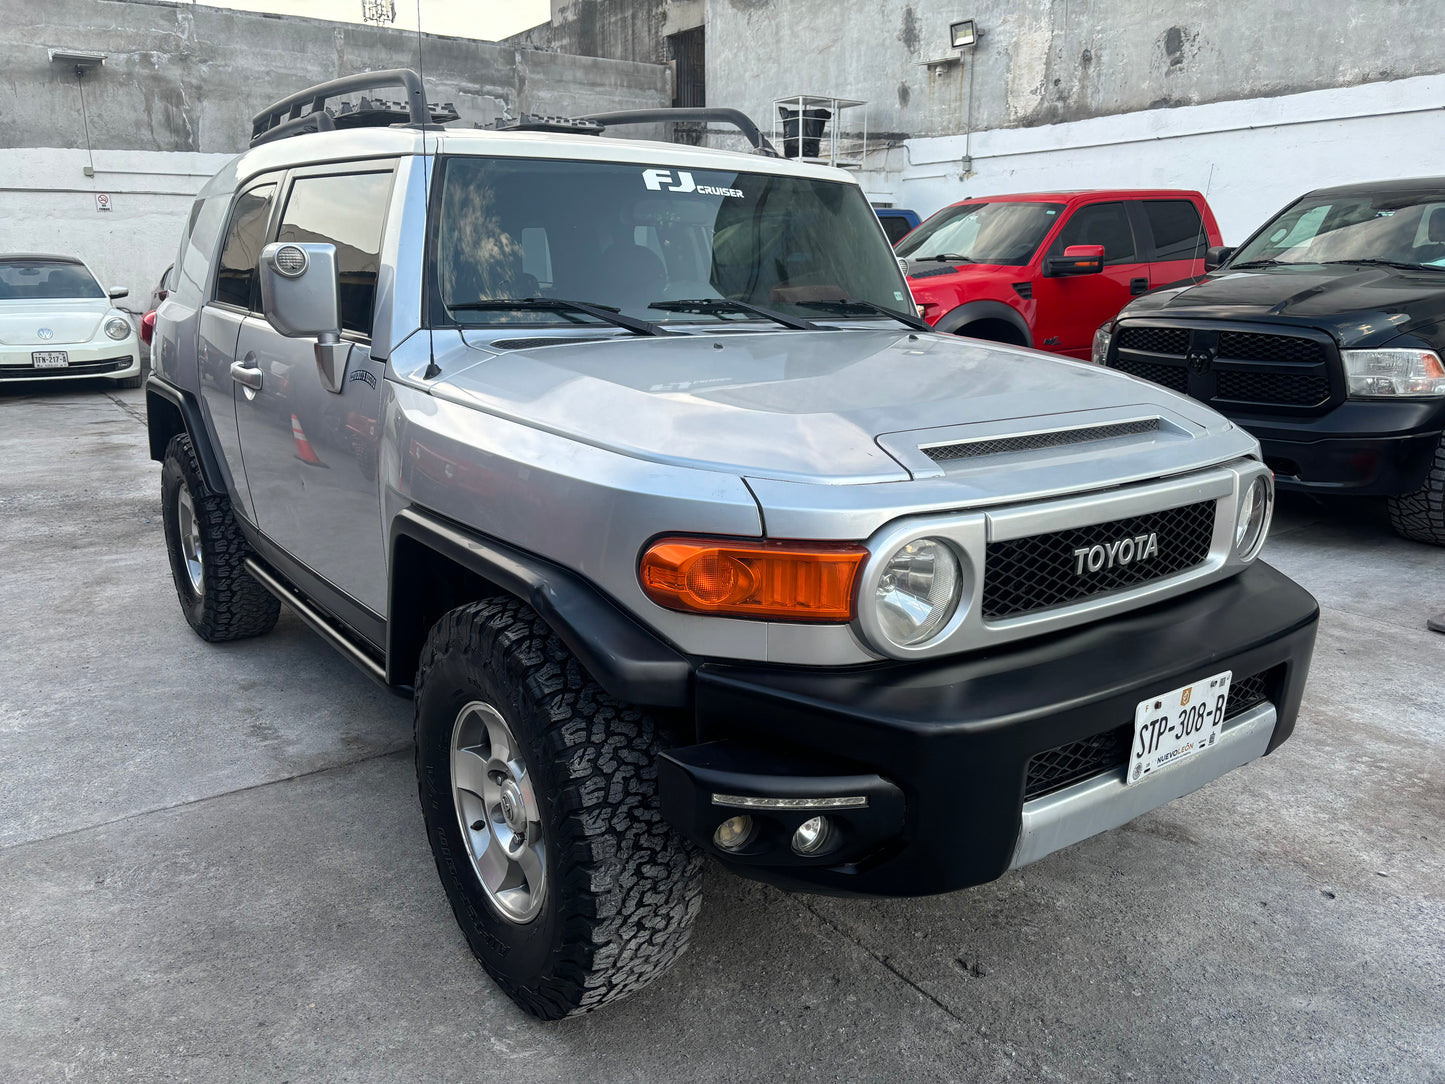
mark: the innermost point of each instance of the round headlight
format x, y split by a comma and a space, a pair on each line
117, 327
917, 592
1254, 514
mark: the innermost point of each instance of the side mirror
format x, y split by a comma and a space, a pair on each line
301, 297
1076, 260
117, 292
1216, 256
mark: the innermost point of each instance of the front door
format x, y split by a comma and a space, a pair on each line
1071, 308
310, 454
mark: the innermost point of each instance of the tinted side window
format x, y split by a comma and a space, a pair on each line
896, 227
346, 211
1178, 232
1104, 224
246, 236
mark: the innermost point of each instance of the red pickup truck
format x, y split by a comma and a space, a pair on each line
1045, 269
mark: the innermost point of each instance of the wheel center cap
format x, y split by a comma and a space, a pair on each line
512, 810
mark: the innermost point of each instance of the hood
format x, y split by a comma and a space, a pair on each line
793, 405
69, 320
1356, 304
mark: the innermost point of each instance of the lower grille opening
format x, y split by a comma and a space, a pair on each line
1075, 761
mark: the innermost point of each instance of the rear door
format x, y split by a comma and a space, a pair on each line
1179, 240
1071, 308
311, 453
233, 297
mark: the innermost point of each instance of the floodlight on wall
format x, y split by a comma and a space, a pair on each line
81, 63
964, 35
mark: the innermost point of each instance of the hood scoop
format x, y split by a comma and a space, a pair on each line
1029, 442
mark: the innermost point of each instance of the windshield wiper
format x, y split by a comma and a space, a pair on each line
845, 305
947, 257
710, 306
605, 313
1261, 263
1371, 262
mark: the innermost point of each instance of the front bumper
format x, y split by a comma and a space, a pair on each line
941, 751
1362, 447
103, 357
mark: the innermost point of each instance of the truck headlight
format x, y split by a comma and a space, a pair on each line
1101, 343
117, 327
1394, 374
1252, 522
917, 592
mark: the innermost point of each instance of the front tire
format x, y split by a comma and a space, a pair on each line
219, 597
539, 792
1420, 516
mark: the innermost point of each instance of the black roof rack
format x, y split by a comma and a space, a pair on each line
537, 122
285, 117
735, 117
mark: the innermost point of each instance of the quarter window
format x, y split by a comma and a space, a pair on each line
1104, 224
246, 236
1178, 232
346, 211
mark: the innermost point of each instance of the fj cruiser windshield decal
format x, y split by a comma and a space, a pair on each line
662, 180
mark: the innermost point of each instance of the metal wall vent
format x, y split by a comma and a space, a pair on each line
1028, 442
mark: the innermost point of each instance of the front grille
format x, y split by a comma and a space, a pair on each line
1029, 442
1155, 340
1247, 345
1073, 762
1174, 377
1038, 573
1293, 389
75, 368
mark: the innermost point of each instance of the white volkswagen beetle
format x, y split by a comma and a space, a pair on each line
56, 322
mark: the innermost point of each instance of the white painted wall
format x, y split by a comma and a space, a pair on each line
47, 204
1249, 157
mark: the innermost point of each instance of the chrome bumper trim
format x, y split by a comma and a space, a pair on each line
1104, 802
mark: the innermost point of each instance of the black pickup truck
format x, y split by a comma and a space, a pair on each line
1323, 336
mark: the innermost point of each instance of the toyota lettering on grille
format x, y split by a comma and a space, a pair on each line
1125, 551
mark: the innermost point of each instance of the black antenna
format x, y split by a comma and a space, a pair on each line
433, 370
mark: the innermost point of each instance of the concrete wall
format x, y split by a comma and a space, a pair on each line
175, 96
1249, 158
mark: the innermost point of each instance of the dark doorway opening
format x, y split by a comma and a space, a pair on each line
689, 84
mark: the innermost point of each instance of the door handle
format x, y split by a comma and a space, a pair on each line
247, 377
1138, 286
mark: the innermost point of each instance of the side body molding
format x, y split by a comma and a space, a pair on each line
630, 662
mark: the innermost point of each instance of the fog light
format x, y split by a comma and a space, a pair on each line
733, 834
811, 835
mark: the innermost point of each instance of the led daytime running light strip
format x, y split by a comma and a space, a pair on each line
743, 801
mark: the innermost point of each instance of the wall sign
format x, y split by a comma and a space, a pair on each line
102, 201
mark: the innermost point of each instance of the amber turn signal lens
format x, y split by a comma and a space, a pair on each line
790, 581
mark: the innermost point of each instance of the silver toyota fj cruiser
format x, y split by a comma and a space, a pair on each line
631, 464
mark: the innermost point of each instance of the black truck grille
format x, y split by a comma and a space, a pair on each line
1073, 762
1042, 571
1240, 368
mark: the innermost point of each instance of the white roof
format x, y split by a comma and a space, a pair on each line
369, 142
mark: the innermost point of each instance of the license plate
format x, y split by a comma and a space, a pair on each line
50, 359
1176, 725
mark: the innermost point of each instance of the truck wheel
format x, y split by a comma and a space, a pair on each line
1420, 516
218, 596
539, 793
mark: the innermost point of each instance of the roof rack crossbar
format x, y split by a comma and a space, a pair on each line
736, 117
287, 111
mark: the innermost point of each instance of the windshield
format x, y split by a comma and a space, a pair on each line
626, 236
1000, 233
45, 280
1407, 230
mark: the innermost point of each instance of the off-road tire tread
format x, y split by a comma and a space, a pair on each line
1420, 516
234, 606
628, 886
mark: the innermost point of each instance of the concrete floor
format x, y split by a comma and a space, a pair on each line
213, 866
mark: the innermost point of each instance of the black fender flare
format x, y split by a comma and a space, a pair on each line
985, 309
165, 404
631, 662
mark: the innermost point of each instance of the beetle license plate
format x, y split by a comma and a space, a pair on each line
1176, 725
49, 359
